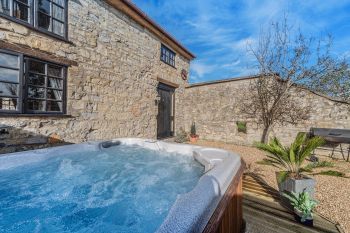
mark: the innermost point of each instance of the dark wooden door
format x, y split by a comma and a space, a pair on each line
165, 119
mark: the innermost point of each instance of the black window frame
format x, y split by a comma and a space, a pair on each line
19, 97
33, 13
24, 83
167, 56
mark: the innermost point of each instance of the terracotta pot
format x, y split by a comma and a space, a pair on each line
193, 139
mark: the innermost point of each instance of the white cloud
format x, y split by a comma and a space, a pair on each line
200, 68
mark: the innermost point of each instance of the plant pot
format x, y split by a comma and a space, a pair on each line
194, 138
298, 216
306, 184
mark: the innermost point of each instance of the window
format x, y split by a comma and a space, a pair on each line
19, 9
49, 15
28, 85
167, 56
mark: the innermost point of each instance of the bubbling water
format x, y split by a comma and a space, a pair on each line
119, 189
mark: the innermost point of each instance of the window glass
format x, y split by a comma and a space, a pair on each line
20, 11
55, 83
58, 27
36, 105
36, 92
8, 89
58, 12
167, 55
48, 14
44, 21
37, 67
5, 6
8, 103
54, 94
54, 106
36, 80
9, 75
44, 6
9, 60
42, 90
59, 2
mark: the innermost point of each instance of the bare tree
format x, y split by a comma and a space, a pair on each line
284, 61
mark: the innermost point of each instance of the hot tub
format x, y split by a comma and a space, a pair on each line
122, 185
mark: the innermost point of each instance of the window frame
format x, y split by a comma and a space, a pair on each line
23, 85
20, 82
33, 19
169, 56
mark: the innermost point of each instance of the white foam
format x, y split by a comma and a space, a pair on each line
190, 212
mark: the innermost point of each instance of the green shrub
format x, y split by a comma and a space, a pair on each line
241, 126
331, 173
290, 158
311, 166
181, 136
302, 202
264, 162
193, 129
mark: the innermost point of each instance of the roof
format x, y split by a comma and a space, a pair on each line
131, 10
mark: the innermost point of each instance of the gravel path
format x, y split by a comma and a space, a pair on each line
333, 193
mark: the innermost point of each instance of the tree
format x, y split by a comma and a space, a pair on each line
336, 84
284, 61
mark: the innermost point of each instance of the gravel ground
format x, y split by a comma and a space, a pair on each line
333, 193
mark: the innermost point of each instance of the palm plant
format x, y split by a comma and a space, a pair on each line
290, 159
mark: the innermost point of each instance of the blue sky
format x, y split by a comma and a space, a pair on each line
217, 31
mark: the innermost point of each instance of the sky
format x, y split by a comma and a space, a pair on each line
218, 32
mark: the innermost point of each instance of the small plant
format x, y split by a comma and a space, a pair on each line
181, 137
290, 159
264, 162
193, 130
241, 126
331, 173
303, 204
193, 134
311, 166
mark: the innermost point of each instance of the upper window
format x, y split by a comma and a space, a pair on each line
45, 15
28, 85
167, 56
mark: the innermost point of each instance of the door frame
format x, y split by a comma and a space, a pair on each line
171, 88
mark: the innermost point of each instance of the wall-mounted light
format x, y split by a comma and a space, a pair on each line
157, 100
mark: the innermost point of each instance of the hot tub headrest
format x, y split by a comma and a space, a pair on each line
108, 144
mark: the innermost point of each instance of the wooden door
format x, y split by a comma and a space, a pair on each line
165, 119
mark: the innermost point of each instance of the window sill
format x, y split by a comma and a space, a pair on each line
35, 115
31, 27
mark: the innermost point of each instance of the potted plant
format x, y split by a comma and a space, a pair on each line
193, 135
290, 160
303, 206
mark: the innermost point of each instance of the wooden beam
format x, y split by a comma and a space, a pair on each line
36, 53
161, 80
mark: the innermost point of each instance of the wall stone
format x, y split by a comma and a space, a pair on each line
112, 91
214, 109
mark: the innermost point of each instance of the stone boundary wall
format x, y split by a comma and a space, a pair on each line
213, 107
112, 89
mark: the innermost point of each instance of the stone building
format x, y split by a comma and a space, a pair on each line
213, 107
83, 70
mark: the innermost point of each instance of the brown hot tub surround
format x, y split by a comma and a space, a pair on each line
228, 215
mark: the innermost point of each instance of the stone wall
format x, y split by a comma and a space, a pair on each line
213, 107
111, 92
